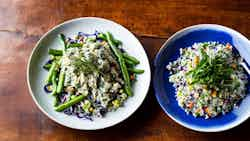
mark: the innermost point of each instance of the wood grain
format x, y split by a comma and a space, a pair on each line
144, 17
22, 22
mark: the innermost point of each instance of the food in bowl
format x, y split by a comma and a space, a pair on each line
208, 79
91, 75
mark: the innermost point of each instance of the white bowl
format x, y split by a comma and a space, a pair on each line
36, 74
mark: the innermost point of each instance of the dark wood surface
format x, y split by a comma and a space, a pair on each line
22, 22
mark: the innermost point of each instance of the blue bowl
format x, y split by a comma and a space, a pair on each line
165, 92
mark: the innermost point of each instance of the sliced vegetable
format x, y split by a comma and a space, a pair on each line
51, 71
56, 100
137, 71
69, 103
131, 58
54, 84
60, 82
55, 52
47, 66
129, 63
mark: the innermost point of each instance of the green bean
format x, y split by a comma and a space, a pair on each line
56, 100
131, 58
129, 63
55, 52
104, 37
69, 103
54, 85
122, 64
60, 82
47, 66
63, 39
55, 58
74, 45
117, 42
72, 96
51, 70
126, 77
116, 51
136, 71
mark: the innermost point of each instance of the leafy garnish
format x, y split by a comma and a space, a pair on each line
211, 71
84, 65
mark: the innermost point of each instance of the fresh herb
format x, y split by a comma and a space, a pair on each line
84, 65
211, 71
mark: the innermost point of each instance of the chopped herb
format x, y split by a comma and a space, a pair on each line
84, 65
211, 71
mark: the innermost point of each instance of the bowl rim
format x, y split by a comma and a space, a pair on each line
159, 54
51, 30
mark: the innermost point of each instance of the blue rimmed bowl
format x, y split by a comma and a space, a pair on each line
165, 92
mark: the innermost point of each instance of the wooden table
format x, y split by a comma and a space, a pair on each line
22, 22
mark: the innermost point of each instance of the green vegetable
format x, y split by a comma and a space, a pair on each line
136, 71
69, 103
63, 40
104, 37
72, 45
55, 52
56, 100
129, 63
131, 58
211, 71
122, 64
54, 84
72, 96
60, 82
55, 58
51, 71
47, 66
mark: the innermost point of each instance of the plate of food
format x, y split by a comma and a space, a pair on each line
201, 77
88, 73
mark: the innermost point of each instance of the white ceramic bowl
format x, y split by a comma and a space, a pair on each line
36, 74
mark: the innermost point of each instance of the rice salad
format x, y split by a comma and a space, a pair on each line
101, 89
91, 76
208, 79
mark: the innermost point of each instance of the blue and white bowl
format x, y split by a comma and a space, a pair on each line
165, 92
